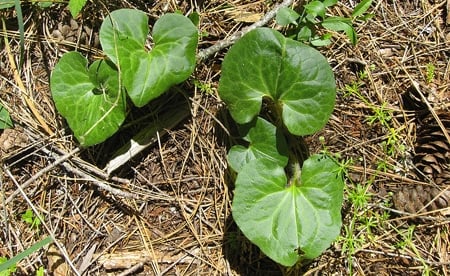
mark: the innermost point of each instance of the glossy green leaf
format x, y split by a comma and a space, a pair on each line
286, 16
315, 8
89, 98
320, 41
341, 24
75, 6
361, 8
195, 18
45, 4
337, 20
123, 32
329, 3
351, 34
5, 119
366, 17
295, 77
312, 19
304, 34
6, 4
289, 222
265, 141
146, 75
42, 3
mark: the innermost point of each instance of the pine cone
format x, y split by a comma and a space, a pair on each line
432, 148
412, 100
432, 159
413, 199
443, 179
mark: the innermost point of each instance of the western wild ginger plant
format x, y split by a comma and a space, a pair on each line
277, 90
285, 202
93, 98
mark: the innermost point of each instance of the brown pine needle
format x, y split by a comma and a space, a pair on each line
21, 86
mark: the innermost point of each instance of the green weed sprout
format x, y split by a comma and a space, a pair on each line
8, 266
313, 18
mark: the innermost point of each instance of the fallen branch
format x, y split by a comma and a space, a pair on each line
222, 44
100, 184
36, 176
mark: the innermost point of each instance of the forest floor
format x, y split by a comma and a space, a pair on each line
390, 126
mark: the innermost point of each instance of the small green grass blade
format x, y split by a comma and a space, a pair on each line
18, 8
361, 8
35, 247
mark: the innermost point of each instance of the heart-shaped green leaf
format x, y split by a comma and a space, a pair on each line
89, 99
289, 222
296, 77
146, 75
123, 32
265, 141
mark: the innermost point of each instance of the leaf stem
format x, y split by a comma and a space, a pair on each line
295, 172
298, 150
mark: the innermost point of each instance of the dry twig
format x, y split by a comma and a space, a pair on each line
222, 44
36, 176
